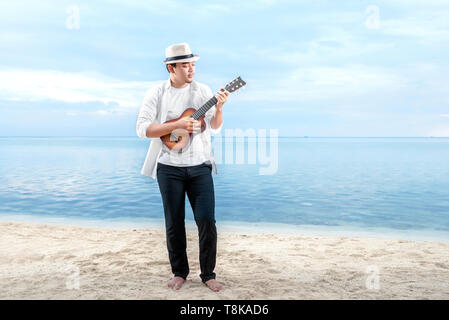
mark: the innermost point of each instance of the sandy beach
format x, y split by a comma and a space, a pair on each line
43, 261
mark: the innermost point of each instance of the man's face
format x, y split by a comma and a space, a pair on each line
185, 71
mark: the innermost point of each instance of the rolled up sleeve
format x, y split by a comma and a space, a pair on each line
147, 112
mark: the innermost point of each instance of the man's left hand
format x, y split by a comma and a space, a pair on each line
222, 97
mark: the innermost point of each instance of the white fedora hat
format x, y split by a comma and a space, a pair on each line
179, 53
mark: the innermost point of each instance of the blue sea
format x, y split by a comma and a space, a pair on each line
383, 185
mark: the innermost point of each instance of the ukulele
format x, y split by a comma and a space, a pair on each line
179, 139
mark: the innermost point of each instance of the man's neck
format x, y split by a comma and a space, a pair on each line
178, 84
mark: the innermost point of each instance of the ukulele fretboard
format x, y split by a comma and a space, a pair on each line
202, 111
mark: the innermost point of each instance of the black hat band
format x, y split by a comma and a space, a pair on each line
180, 57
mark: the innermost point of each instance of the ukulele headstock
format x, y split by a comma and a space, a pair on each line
235, 85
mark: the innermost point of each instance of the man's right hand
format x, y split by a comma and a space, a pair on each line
189, 124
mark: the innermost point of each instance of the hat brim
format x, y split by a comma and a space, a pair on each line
194, 58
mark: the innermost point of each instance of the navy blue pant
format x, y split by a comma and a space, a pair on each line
174, 182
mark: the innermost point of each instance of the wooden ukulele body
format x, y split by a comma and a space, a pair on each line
180, 138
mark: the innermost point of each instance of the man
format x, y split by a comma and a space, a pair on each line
187, 171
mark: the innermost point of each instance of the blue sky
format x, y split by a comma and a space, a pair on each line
315, 68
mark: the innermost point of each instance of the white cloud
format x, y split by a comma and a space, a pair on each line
432, 28
334, 44
200, 9
72, 113
439, 132
78, 87
427, 21
103, 112
326, 83
169, 7
408, 4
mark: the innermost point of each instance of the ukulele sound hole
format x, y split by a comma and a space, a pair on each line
174, 138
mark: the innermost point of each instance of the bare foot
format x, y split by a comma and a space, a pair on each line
176, 283
214, 285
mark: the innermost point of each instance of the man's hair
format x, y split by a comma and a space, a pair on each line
170, 64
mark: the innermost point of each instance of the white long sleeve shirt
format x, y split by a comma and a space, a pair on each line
165, 102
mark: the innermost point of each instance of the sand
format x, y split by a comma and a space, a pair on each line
44, 261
